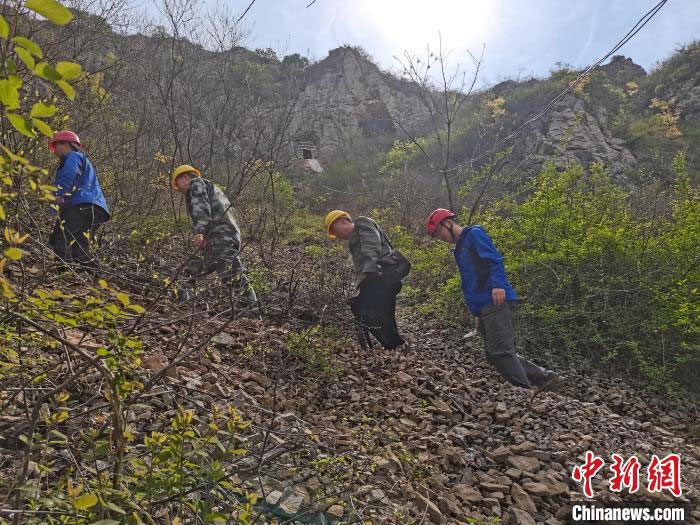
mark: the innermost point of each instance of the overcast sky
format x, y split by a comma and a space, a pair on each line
522, 37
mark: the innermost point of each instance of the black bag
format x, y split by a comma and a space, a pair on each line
395, 264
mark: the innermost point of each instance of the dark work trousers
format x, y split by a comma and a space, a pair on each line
375, 309
221, 256
73, 231
497, 326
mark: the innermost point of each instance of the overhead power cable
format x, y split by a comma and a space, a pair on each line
246, 11
635, 29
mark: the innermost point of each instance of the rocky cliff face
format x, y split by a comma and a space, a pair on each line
678, 81
347, 96
621, 71
569, 133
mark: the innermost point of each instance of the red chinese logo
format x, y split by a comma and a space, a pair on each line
625, 474
665, 474
662, 474
586, 472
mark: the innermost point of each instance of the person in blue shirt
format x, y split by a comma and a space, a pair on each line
490, 298
82, 207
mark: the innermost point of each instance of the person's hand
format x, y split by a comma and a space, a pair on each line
499, 296
198, 240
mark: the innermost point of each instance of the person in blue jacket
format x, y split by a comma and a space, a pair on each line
490, 298
82, 206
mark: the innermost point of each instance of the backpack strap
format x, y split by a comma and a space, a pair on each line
382, 235
210, 190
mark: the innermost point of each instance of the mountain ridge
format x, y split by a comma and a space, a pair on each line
347, 102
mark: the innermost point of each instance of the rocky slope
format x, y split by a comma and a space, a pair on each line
571, 134
425, 433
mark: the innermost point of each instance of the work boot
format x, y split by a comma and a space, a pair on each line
552, 383
245, 301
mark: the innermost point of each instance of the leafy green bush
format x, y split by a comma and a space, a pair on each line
25, 59
599, 280
162, 468
677, 69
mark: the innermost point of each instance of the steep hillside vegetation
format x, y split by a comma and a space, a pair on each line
118, 404
350, 110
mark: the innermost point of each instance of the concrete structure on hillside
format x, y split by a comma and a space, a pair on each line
307, 152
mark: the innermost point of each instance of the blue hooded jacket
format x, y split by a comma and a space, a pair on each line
481, 269
77, 182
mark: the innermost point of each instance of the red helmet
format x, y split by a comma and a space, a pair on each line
436, 218
63, 136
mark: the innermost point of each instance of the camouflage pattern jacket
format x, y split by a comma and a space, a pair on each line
367, 244
211, 212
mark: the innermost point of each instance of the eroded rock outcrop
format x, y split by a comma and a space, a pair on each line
569, 133
348, 96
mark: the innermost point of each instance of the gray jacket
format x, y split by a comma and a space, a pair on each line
367, 244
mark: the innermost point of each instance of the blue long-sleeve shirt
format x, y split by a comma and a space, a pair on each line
77, 182
481, 269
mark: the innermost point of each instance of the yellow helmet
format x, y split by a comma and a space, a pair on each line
180, 170
331, 218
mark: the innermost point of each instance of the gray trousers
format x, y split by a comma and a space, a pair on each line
497, 326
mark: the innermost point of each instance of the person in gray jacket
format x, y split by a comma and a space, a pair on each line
379, 275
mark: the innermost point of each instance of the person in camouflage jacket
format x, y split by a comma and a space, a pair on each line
215, 231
